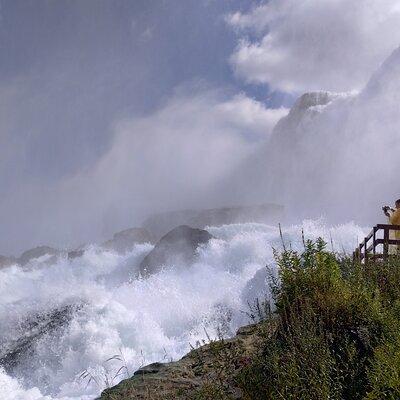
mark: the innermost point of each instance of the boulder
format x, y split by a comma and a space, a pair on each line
37, 252
6, 261
177, 247
77, 253
125, 240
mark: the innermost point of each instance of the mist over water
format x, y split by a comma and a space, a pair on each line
141, 117
337, 158
145, 320
335, 154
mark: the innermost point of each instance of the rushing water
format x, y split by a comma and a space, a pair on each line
92, 308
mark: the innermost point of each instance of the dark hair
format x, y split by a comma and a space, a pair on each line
397, 201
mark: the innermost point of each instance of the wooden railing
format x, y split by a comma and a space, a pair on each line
368, 250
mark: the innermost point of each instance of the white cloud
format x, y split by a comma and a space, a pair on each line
249, 116
313, 44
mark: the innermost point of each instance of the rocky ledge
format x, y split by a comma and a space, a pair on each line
199, 373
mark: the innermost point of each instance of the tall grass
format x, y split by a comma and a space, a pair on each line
338, 334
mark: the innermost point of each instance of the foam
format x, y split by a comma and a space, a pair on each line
145, 320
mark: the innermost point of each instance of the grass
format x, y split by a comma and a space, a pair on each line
338, 334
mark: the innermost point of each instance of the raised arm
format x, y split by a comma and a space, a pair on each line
388, 211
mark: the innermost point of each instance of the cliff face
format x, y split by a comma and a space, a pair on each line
197, 373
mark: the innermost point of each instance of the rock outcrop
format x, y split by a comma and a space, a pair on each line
125, 240
77, 253
160, 224
38, 252
177, 247
29, 332
7, 261
208, 366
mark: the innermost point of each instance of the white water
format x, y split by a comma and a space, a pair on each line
143, 320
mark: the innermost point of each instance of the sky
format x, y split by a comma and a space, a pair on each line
111, 110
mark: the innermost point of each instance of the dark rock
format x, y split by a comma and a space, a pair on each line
150, 369
38, 252
160, 224
75, 254
7, 261
29, 332
247, 330
125, 240
177, 247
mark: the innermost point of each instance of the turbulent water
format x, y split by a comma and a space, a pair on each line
92, 308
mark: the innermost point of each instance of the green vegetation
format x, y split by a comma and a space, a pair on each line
338, 331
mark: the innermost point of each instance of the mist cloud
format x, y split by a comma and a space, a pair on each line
170, 159
301, 45
79, 162
76, 75
335, 155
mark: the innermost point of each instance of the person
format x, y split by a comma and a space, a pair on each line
393, 215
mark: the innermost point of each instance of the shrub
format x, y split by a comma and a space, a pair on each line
337, 335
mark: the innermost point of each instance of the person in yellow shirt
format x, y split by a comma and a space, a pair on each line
393, 215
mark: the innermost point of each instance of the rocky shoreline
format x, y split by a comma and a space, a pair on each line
200, 374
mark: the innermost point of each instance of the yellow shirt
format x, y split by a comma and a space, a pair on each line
394, 219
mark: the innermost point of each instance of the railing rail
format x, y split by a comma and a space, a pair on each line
366, 251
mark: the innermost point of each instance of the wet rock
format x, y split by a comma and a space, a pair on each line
38, 252
29, 332
125, 240
7, 261
75, 254
177, 247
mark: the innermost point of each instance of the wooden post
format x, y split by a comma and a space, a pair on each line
366, 251
374, 242
385, 243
